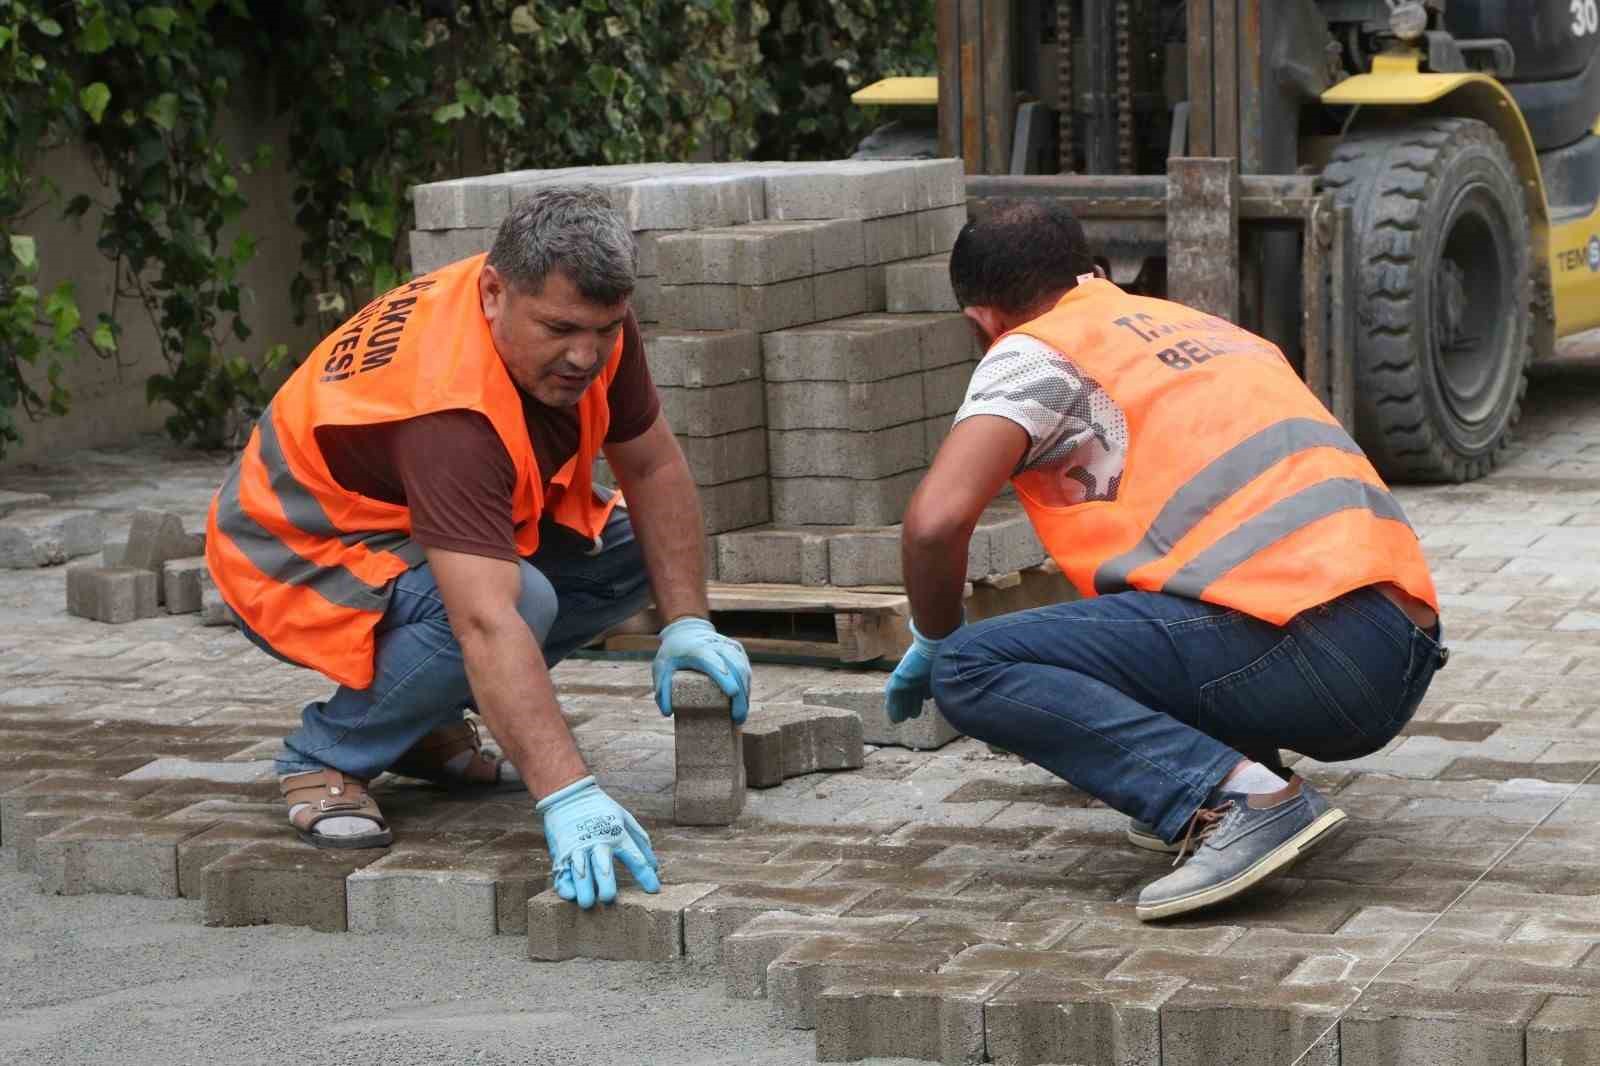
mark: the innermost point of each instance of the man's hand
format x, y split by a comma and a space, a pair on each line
693, 644
909, 685
584, 828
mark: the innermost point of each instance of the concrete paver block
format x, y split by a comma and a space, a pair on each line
853, 189
729, 457
940, 183
705, 308
112, 593
778, 556
282, 884
721, 913
520, 865
115, 855
945, 339
846, 453
843, 501
217, 840
926, 732
937, 229
413, 892
920, 285
1013, 545
16, 501
691, 201
944, 389
700, 358
1566, 1032
841, 293
180, 579
817, 738
1394, 1025
861, 407
802, 971
646, 300
638, 925
837, 244
861, 349
736, 504
888, 240
1250, 1021
757, 254
33, 537
748, 953
214, 611
433, 249
1043, 1017
709, 762
929, 1016
713, 411
156, 536
463, 203
872, 556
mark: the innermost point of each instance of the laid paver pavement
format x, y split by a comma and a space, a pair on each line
952, 903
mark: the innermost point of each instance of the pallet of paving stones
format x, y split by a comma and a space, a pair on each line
850, 626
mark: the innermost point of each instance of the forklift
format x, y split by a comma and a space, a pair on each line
1403, 196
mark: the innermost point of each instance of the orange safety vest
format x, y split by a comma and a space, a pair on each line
1238, 487
307, 564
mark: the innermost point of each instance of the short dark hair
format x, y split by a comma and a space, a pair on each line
1017, 254
573, 229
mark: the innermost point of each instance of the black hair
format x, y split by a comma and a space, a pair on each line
1017, 254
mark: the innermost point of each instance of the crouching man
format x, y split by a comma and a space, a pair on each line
1248, 582
414, 517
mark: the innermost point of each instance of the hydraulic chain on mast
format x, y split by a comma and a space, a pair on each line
1125, 161
1065, 105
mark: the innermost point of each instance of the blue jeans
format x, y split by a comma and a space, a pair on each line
570, 594
1147, 701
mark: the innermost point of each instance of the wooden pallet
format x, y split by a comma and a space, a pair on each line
844, 625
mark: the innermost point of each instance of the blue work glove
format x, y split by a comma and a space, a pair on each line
910, 684
584, 828
692, 644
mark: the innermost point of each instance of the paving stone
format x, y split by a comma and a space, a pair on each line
939, 183
937, 229
157, 536
859, 350
840, 293
709, 763
282, 884
719, 914
843, 501
844, 453
731, 457
464, 202
33, 537
114, 855
891, 239
520, 863
797, 976
700, 358
213, 610
1565, 1032
713, 411
1044, 1017
43, 815
17, 800
926, 732
736, 504
637, 926
218, 840
934, 1017
433, 249
17, 501
749, 951
761, 308
691, 201
180, 581
112, 594
862, 407
920, 285
419, 891
781, 556
1248, 1022
780, 743
1392, 1025
851, 189
232, 772
759, 254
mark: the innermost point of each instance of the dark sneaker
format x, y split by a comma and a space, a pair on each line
1143, 835
1239, 843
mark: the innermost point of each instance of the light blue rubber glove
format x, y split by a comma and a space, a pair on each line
584, 828
910, 683
693, 644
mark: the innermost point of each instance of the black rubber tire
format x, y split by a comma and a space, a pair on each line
1422, 197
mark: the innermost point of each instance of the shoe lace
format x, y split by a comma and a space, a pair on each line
1206, 820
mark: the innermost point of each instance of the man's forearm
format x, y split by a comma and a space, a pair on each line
935, 568
517, 700
665, 508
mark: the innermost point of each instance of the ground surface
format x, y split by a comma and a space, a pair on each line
1465, 895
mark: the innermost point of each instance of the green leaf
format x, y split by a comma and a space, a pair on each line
522, 21
449, 113
24, 250
48, 27
94, 99
96, 36
159, 19
103, 338
163, 110
603, 78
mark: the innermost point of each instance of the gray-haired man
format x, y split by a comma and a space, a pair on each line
414, 517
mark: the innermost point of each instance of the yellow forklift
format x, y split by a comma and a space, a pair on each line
1405, 196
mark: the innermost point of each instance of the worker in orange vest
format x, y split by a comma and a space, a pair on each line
415, 516
1249, 584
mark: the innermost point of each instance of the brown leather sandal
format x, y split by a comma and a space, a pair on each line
330, 794
429, 759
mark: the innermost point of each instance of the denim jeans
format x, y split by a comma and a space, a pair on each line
1147, 701
570, 593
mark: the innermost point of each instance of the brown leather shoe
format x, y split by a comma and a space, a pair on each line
429, 759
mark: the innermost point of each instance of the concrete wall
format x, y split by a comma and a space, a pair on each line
108, 403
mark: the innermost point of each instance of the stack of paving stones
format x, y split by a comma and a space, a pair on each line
807, 413
159, 564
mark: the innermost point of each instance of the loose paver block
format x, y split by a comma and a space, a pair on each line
47, 537
181, 584
1566, 1032
16, 501
927, 731
783, 742
920, 285
727, 458
929, 1016
694, 359
709, 770
283, 884
114, 594
639, 925
781, 556
413, 892
736, 505
156, 536
432, 249
115, 855
214, 611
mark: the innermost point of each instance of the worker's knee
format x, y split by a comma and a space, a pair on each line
536, 601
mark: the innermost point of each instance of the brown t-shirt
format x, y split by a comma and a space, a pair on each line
452, 471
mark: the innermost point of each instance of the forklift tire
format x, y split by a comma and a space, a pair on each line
1444, 324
